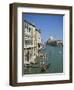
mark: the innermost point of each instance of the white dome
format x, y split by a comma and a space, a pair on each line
51, 38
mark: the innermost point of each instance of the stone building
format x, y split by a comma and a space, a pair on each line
32, 42
54, 42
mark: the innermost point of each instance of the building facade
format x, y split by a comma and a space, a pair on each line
32, 42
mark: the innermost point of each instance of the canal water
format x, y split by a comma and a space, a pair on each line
54, 60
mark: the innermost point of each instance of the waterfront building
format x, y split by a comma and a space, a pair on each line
54, 42
38, 41
32, 42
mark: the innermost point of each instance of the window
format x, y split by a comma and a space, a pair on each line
29, 29
26, 25
28, 42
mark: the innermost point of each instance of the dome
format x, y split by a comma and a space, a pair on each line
51, 38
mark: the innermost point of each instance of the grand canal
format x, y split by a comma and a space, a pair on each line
54, 60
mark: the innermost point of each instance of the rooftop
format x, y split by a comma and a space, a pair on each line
33, 25
30, 23
38, 30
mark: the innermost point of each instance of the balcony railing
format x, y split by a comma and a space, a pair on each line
28, 46
27, 34
27, 38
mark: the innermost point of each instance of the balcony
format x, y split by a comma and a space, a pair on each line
28, 46
27, 33
27, 38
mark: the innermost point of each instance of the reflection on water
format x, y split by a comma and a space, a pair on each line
55, 58
52, 64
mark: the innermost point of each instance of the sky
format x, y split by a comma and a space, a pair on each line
50, 25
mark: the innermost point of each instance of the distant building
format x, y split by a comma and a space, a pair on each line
32, 42
59, 42
54, 42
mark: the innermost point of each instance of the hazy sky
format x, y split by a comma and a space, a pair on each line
50, 25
